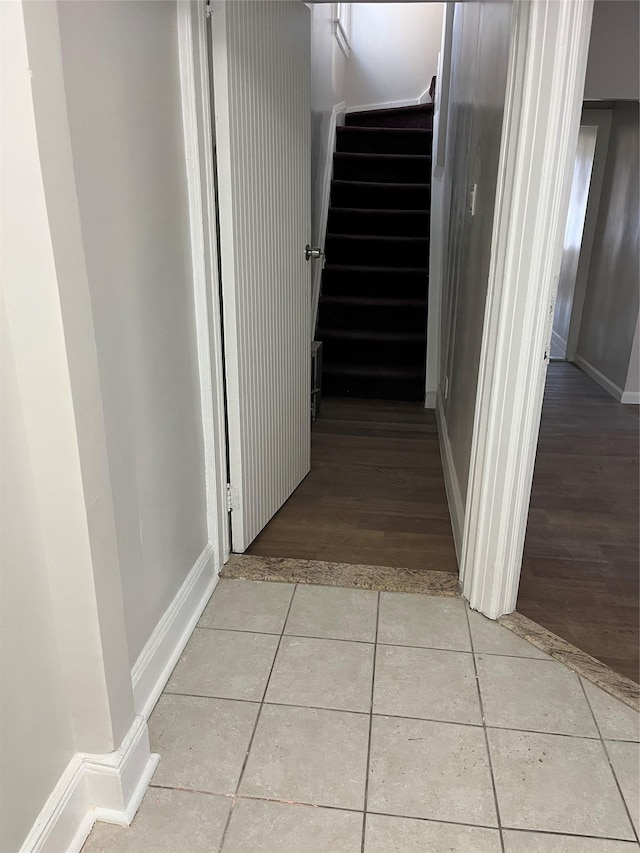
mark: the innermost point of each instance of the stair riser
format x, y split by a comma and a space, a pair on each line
373, 388
351, 167
357, 351
377, 252
374, 317
374, 283
381, 142
379, 197
391, 118
386, 223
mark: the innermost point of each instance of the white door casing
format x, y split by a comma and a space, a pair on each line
540, 132
261, 78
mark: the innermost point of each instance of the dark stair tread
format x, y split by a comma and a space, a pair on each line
365, 370
377, 270
374, 301
371, 335
378, 238
382, 184
374, 155
357, 128
414, 211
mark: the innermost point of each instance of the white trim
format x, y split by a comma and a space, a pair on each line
385, 105
630, 398
198, 137
153, 667
560, 342
337, 118
544, 100
431, 399
116, 781
609, 386
451, 482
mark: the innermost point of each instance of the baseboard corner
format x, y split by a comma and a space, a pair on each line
452, 486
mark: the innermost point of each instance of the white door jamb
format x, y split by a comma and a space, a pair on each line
544, 101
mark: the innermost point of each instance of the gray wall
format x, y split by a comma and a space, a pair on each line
122, 86
480, 52
613, 66
610, 310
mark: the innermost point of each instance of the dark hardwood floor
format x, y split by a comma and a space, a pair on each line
375, 494
580, 574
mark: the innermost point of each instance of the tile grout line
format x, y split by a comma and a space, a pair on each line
390, 716
257, 799
484, 729
608, 757
255, 725
373, 685
547, 659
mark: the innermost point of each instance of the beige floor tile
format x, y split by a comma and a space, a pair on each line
492, 638
266, 827
429, 683
422, 620
406, 835
226, 664
616, 720
167, 821
537, 695
538, 842
433, 770
202, 742
556, 783
625, 758
334, 613
308, 756
248, 606
322, 674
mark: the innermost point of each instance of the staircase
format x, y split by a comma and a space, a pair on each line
373, 303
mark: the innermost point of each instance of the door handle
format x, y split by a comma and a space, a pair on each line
312, 253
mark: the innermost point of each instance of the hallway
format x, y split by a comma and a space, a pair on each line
304, 719
581, 557
375, 494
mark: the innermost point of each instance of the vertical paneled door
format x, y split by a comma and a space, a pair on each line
261, 76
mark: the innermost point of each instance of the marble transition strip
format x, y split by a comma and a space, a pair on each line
389, 579
386, 578
588, 667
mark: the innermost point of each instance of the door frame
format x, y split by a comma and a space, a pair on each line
545, 92
194, 58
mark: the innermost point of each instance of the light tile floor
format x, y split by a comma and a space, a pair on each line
322, 720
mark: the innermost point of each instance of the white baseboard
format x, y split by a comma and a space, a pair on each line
452, 486
430, 399
599, 377
94, 787
386, 105
110, 787
151, 671
630, 398
337, 118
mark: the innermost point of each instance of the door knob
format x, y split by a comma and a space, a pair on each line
312, 253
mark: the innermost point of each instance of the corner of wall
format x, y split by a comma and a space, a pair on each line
452, 485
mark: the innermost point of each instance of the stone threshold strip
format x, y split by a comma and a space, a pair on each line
390, 579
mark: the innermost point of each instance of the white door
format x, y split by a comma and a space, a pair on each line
261, 75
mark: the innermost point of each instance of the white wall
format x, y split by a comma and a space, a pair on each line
394, 52
328, 81
573, 236
66, 684
122, 89
632, 385
613, 66
610, 313
36, 735
480, 50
